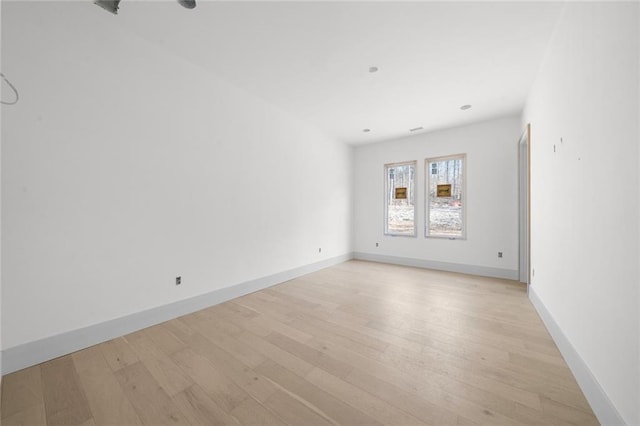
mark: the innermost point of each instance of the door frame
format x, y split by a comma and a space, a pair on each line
524, 207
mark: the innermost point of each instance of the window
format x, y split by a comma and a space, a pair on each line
446, 197
400, 211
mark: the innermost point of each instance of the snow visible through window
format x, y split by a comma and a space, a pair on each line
400, 199
445, 197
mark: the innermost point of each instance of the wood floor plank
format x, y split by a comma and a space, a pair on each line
178, 328
239, 350
265, 325
108, 403
64, 399
233, 369
360, 342
200, 409
560, 390
32, 416
222, 390
360, 399
554, 369
170, 377
567, 413
291, 300
233, 310
434, 387
264, 308
457, 347
250, 412
151, 402
441, 365
402, 399
21, 391
274, 353
293, 411
312, 356
322, 300
118, 353
359, 325
327, 405
165, 340
222, 322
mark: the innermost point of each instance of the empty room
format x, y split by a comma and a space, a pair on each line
324, 212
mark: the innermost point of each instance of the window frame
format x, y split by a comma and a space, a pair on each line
427, 198
385, 224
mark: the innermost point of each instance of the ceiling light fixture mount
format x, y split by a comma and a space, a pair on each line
465, 107
108, 5
373, 69
189, 4
112, 5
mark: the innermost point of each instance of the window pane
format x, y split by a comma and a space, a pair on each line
400, 199
445, 201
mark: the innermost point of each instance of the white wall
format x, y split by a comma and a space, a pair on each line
124, 167
492, 197
3, 91
584, 195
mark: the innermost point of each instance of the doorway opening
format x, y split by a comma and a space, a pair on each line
524, 206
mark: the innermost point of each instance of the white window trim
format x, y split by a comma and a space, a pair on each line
385, 223
427, 203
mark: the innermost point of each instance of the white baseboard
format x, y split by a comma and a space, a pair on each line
600, 403
32, 353
441, 266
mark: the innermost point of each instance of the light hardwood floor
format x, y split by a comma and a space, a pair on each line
356, 344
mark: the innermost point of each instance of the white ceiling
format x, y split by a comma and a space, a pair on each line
312, 59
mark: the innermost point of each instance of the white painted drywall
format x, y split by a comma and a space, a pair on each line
584, 196
124, 166
3, 91
492, 195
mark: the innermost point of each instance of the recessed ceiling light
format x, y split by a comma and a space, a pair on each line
373, 69
366, 130
465, 107
415, 129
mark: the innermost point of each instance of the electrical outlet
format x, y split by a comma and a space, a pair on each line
499, 254
178, 280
